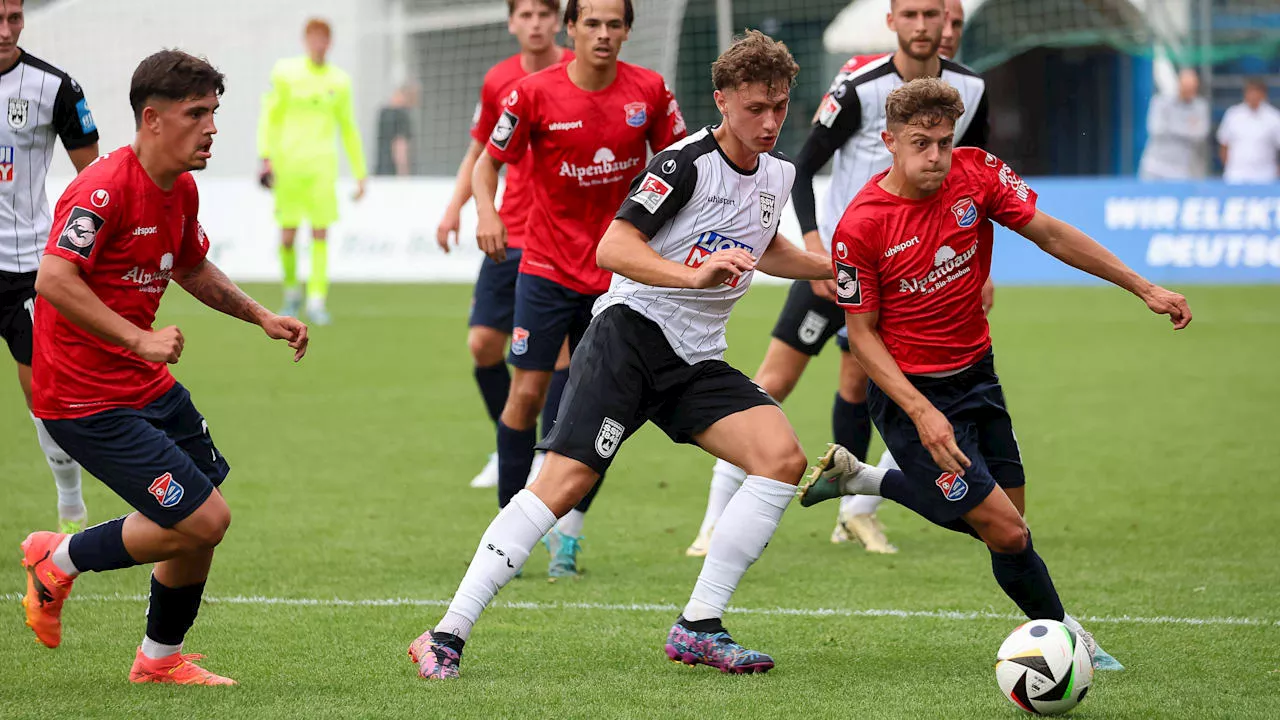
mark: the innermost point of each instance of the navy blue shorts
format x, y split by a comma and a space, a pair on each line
546, 313
160, 459
493, 300
974, 403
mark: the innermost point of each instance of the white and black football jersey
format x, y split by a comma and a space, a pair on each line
846, 130
42, 105
692, 201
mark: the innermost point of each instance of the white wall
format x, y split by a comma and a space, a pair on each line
100, 42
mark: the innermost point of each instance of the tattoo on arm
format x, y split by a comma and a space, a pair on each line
212, 287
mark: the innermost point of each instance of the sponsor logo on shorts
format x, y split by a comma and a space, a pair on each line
167, 491
637, 114
18, 108
811, 327
965, 211
519, 341
504, 129
953, 486
848, 287
81, 231
609, 437
6, 163
652, 193
709, 242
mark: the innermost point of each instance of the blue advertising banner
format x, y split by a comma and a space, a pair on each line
1172, 233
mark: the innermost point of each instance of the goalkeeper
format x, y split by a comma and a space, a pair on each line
308, 104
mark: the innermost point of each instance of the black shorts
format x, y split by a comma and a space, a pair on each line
807, 321
974, 403
624, 374
17, 313
160, 459
546, 313
493, 301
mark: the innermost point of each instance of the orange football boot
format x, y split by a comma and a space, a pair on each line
177, 668
47, 587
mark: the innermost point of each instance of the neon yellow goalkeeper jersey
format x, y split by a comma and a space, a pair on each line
302, 114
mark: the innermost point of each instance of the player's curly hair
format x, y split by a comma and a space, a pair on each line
172, 75
754, 57
926, 102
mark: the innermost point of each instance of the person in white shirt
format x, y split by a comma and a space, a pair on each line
1177, 130
1249, 137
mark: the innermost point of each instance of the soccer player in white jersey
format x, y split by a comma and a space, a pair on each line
683, 249
44, 104
846, 130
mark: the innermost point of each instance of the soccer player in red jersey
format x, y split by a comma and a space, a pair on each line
910, 255
123, 229
535, 24
586, 125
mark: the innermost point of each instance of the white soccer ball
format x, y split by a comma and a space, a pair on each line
1044, 668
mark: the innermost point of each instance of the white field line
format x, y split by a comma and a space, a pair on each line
261, 601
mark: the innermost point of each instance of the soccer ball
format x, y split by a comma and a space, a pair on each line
1044, 668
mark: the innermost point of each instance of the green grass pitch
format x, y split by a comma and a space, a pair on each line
1151, 460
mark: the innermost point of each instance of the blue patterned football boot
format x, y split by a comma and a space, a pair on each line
716, 649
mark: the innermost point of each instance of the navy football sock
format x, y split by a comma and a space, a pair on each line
494, 382
585, 503
515, 458
100, 548
172, 611
552, 407
1025, 579
851, 426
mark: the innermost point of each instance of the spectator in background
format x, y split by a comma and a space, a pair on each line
1249, 137
394, 132
1177, 133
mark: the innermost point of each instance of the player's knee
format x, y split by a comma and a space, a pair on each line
485, 350
1008, 538
524, 402
210, 526
784, 464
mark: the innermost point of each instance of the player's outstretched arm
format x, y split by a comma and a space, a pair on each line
625, 250
60, 284
933, 427
452, 219
783, 259
208, 284
1070, 245
491, 234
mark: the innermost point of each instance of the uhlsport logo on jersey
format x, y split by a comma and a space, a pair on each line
652, 193
709, 242
953, 486
6, 163
637, 114
966, 212
519, 341
609, 437
81, 231
167, 491
18, 108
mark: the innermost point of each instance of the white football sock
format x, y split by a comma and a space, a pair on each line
571, 523
726, 478
156, 651
62, 557
1072, 624
740, 536
503, 549
859, 504
66, 472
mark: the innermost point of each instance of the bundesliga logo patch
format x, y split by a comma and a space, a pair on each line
953, 486
80, 232
653, 192
6, 163
167, 491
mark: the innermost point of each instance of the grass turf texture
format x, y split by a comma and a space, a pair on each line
1150, 460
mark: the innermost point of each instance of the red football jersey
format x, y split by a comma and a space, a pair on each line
516, 195
128, 238
586, 148
922, 263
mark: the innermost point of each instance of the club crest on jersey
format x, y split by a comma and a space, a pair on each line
519, 341
637, 114
653, 192
18, 112
709, 242
768, 204
80, 232
609, 438
167, 491
503, 129
811, 328
848, 287
953, 486
966, 212
6, 163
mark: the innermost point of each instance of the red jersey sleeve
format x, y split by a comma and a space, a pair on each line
509, 140
83, 220
1008, 199
195, 244
487, 111
670, 126
855, 261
